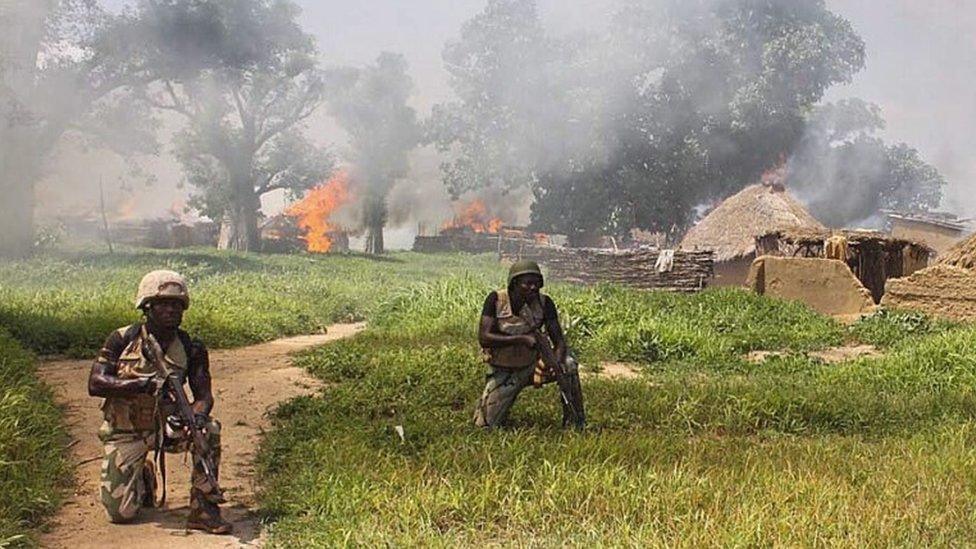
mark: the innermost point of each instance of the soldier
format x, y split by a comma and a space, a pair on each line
138, 420
510, 320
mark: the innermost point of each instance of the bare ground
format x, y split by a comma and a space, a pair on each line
248, 383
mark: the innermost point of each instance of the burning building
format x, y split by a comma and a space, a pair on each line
310, 220
731, 229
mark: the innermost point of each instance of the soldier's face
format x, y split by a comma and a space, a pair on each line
529, 285
166, 313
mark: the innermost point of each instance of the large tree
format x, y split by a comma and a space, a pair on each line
370, 103
243, 76
841, 155
63, 76
679, 103
495, 130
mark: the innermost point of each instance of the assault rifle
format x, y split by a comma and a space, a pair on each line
569, 383
170, 381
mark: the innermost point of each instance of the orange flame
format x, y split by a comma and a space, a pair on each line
127, 208
474, 216
314, 210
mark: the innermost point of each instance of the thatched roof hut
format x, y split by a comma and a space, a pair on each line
730, 230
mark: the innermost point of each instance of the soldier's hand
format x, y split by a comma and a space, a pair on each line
529, 340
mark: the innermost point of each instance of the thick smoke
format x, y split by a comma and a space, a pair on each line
574, 104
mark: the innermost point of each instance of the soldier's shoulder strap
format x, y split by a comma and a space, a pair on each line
503, 307
130, 333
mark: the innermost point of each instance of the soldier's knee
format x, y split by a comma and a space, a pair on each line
120, 511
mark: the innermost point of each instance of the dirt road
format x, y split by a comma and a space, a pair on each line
247, 383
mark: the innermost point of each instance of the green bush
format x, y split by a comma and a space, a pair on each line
31, 444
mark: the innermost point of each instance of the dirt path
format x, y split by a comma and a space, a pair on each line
248, 382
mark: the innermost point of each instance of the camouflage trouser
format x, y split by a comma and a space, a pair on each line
123, 486
501, 390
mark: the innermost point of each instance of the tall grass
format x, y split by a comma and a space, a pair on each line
704, 449
31, 441
68, 302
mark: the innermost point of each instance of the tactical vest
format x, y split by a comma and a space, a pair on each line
135, 413
529, 319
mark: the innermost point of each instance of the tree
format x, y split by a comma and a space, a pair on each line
495, 129
679, 103
840, 155
62, 76
370, 103
242, 75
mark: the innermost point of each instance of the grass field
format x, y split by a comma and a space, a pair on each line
705, 448
68, 302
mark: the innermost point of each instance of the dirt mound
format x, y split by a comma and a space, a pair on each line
961, 255
248, 382
943, 290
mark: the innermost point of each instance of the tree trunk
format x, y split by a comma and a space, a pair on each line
374, 240
374, 217
16, 216
239, 227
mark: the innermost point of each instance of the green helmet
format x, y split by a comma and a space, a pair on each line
522, 267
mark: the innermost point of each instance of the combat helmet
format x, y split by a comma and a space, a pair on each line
523, 267
162, 284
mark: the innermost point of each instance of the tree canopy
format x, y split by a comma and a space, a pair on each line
841, 155
678, 103
63, 72
243, 76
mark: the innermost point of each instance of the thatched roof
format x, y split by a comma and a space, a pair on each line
807, 236
963, 254
730, 230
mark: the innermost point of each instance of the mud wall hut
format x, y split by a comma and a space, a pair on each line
731, 229
939, 232
873, 257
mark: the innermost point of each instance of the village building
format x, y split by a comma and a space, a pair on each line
938, 231
871, 257
731, 229
945, 290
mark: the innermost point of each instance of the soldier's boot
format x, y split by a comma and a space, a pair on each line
149, 484
205, 515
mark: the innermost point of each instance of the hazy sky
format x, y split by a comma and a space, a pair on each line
921, 66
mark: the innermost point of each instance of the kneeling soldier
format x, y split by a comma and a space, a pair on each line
140, 417
511, 323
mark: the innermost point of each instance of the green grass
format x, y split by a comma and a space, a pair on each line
31, 443
66, 303
704, 449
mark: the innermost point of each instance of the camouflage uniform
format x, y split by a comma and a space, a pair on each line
515, 367
132, 427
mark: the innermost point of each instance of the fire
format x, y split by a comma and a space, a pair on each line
314, 210
776, 176
127, 208
474, 216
